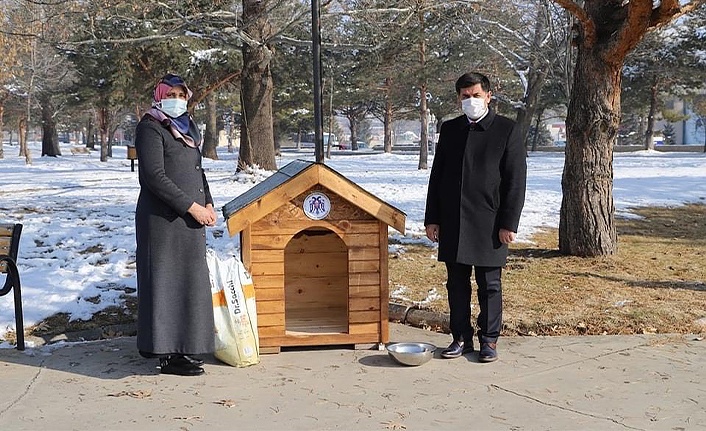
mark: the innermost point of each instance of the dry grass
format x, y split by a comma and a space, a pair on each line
654, 284
114, 315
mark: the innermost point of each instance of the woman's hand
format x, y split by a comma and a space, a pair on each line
213, 214
204, 215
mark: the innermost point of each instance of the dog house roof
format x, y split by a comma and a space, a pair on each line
296, 178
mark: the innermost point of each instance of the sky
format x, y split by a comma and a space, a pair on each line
77, 250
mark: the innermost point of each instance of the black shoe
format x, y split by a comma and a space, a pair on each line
456, 349
488, 352
194, 360
179, 358
178, 365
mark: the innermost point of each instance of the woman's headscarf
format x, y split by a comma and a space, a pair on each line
182, 127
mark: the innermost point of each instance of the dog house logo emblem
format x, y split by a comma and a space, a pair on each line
316, 206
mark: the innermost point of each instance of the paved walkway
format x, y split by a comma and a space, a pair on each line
539, 383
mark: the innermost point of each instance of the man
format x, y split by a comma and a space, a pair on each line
474, 201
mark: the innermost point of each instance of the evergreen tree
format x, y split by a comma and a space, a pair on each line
663, 65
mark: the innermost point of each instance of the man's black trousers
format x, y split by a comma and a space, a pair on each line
490, 301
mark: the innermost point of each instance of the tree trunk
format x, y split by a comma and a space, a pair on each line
24, 126
257, 136
90, 134
50, 137
22, 136
537, 124
327, 153
640, 139
523, 118
649, 132
232, 133
424, 132
330, 123
567, 64
104, 146
525, 114
111, 127
536, 77
210, 138
387, 118
24, 140
605, 35
2, 133
587, 225
353, 123
103, 131
423, 107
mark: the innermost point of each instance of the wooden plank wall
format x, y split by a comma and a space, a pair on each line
316, 283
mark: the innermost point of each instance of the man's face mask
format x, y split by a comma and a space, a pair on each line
173, 107
473, 107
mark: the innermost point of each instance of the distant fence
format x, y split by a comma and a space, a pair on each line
629, 148
414, 149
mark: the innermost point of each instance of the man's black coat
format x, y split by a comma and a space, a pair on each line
476, 187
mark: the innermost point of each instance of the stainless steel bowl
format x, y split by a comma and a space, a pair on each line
411, 354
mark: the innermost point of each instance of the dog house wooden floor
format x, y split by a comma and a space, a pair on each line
316, 283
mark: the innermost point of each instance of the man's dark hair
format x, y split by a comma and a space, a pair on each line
470, 79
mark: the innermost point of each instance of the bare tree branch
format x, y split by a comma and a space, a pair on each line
633, 28
642, 17
586, 24
671, 9
213, 87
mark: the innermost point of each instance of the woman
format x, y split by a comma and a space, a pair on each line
175, 313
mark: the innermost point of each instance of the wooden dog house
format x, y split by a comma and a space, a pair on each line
316, 246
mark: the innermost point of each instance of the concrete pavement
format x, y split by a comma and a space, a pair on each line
540, 383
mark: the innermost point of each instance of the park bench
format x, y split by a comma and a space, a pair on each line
9, 245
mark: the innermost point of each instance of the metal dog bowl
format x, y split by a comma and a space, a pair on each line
411, 354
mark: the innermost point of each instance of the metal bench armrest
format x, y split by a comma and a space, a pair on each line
12, 283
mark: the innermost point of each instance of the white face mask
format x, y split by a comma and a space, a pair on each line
173, 107
473, 107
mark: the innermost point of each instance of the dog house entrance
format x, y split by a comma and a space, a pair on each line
316, 283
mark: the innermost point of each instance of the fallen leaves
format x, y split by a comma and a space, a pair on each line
226, 403
187, 418
391, 425
132, 394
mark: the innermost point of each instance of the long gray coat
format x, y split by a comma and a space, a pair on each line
476, 187
175, 311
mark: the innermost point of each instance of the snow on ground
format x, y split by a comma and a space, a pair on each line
78, 240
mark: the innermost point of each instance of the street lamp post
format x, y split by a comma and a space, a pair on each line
318, 95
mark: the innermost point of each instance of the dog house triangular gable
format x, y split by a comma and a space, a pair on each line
294, 179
